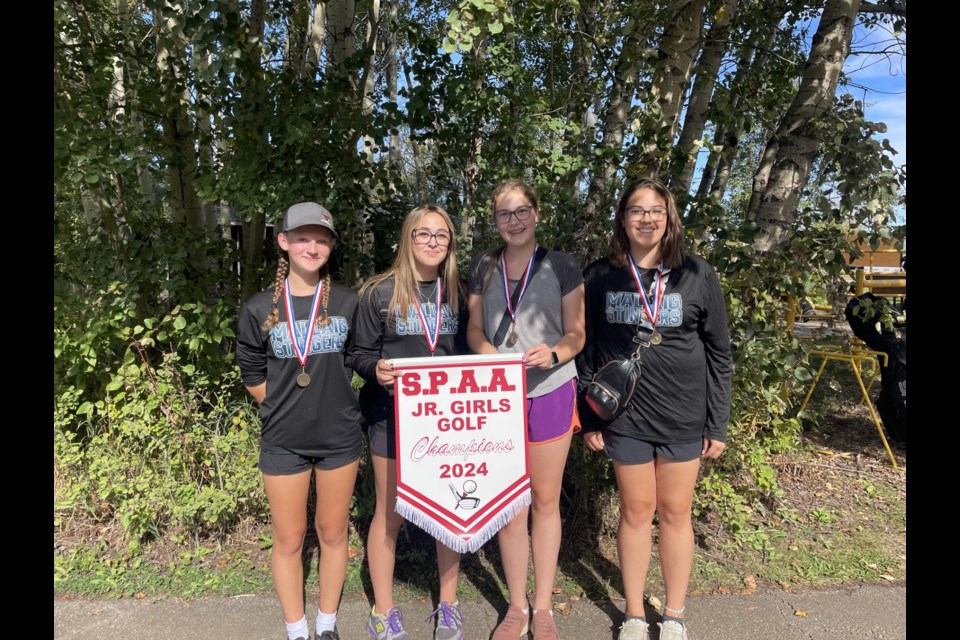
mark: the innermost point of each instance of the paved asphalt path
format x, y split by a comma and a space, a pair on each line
854, 613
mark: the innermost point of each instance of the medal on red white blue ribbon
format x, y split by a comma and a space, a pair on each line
524, 281
432, 336
652, 310
302, 351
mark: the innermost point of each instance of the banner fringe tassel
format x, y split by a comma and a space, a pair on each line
455, 542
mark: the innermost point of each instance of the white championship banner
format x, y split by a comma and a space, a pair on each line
462, 470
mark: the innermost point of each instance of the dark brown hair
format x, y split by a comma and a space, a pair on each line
671, 245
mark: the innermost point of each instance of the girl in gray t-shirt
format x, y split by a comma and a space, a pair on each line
524, 299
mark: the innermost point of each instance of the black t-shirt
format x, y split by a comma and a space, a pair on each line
386, 334
683, 394
323, 418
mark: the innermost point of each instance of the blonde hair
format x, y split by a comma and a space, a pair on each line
404, 268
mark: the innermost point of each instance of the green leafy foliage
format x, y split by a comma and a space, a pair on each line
153, 429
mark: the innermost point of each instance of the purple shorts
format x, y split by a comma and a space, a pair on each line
552, 415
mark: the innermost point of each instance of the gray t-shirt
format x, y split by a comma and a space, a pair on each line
539, 316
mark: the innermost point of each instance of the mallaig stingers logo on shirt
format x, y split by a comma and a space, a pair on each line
410, 324
624, 307
326, 339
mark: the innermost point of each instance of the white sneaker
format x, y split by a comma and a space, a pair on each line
672, 630
634, 629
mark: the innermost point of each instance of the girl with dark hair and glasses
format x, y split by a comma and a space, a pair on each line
525, 299
413, 309
648, 286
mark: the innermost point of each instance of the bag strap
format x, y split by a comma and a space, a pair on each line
642, 339
505, 321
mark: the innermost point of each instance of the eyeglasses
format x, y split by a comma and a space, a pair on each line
522, 213
424, 236
656, 213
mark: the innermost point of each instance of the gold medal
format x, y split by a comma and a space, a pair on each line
521, 289
655, 337
302, 351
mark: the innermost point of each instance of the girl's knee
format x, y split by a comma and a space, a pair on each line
332, 535
678, 517
288, 543
675, 512
637, 516
544, 506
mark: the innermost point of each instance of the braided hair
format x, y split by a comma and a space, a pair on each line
283, 268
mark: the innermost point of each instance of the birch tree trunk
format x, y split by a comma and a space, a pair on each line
368, 80
716, 172
600, 191
392, 71
342, 41
116, 112
317, 38
178, 129
471, 168
694, 122
97, 208
253, 229
131, 98
785, 167
208, 210
295, 45
583, 69
341, 45
419, 175
671, 78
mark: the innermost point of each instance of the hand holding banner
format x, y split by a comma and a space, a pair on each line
462, 470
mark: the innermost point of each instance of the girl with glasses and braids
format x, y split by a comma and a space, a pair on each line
525, 299
294, 352
413, 309
648, 288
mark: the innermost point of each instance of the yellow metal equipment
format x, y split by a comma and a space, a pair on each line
856, 357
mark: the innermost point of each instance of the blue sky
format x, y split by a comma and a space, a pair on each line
879, 80
882, 81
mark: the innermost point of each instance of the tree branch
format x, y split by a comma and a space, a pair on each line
891, 7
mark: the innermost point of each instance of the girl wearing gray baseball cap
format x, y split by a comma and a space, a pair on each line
294, 350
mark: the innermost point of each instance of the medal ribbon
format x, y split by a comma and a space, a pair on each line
652, 313
432, 339
301, 352
524, 281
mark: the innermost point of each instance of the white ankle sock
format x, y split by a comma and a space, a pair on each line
298, 629
326, 621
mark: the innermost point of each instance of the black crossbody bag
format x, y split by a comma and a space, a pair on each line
609, 392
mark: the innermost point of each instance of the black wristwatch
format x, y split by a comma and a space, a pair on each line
554, 360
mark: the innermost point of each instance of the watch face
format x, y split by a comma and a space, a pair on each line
554, 359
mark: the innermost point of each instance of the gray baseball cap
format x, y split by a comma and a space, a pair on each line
305, 213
